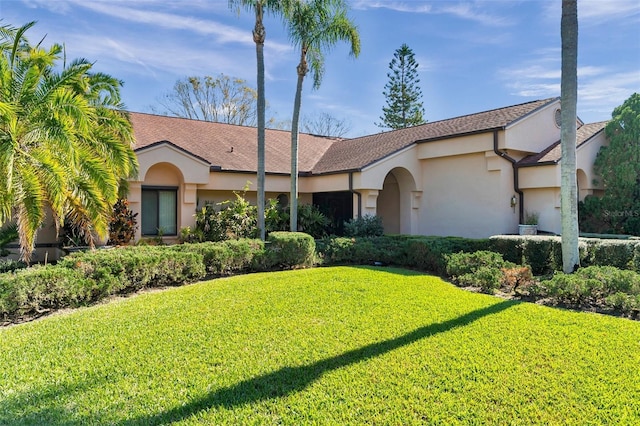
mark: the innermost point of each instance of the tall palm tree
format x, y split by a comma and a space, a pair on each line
259, 35
65, 142
314, 26
568, 117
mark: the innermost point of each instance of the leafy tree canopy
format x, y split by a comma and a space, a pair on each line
618, 166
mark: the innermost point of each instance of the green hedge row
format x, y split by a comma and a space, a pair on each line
543, 254
86, 277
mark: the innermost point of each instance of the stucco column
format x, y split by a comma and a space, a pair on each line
369, 201
188, 207
134, 196
416, 199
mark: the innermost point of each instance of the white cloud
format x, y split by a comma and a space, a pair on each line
470, 11
609, 9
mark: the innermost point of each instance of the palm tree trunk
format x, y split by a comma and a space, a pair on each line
258, 37
297, 104
568, 106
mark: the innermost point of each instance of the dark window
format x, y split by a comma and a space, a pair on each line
337, 206
159, 211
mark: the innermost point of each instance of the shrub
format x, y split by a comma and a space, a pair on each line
518, 279
481, 268
39, 289
312, 221
336, 250
290, 250
487, 278
9, 265
538, 253
459, 264
599, 286
510, 248
613, 279
225, 257
428, 253
134, 268
571, 289
123, 224
364, 226
614, 253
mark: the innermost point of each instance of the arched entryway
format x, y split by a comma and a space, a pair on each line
395, 201
160, 207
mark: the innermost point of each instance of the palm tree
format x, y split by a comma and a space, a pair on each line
314, 26
65, 142
568, 117
259, 34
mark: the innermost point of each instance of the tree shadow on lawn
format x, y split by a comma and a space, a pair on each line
289, 380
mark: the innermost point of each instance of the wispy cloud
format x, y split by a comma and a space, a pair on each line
469, 11
600, 88
607, 10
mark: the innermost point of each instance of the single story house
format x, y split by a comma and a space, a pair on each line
474, 176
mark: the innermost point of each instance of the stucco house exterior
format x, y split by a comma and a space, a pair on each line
472, 176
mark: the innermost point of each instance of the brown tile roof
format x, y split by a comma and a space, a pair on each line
213, 142
552, 154
354, 154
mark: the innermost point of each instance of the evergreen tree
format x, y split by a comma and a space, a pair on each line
618, 166
404, 105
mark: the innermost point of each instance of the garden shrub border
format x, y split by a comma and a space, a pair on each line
84, 278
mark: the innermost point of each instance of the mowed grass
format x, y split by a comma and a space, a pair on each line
338, 345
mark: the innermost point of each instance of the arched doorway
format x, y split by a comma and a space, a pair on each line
160, 201
394, 203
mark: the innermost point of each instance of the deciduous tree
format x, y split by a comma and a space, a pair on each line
221, 99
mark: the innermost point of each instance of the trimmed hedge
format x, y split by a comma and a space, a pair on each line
544, 253
227, 257
290, 250
86, 277
424, 253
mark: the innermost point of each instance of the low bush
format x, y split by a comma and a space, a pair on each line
364, 226
519, 280
135, 268
601, 287
290, 250
8, 265
33, 291
478, 269
618, 253
423, 253
226, 257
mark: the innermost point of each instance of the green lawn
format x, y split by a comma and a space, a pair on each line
338, 345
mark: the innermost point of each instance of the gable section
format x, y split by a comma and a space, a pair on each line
193, 168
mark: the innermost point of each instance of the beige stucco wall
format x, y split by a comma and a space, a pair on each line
545, 202
533, 133
467, 195
456, 146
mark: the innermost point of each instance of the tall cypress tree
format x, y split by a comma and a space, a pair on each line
404, 105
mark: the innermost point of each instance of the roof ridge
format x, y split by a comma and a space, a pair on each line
197, 120
547, 100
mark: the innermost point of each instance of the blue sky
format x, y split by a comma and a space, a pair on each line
473, 55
